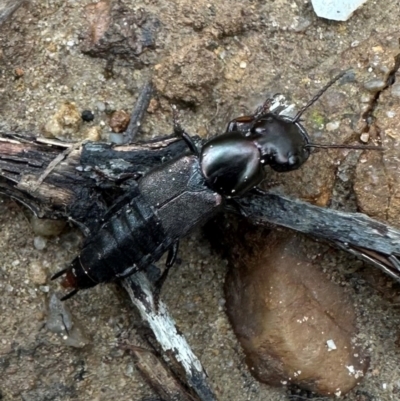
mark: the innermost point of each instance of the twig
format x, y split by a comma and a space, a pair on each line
373, 241
140, 108
163, 326
157, 374
53, 164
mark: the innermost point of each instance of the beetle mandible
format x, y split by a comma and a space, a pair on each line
172, 199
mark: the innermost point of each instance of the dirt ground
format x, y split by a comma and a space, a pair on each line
216, 61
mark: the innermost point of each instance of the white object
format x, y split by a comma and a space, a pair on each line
336, 10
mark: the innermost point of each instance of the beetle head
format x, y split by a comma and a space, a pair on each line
282, 143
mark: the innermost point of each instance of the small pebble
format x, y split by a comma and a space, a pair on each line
59, 318
119, 121
374, 85
332, 126
100, 106
19, 72
44, 288
364, 137
39, 243
64, 124
243, 64
93, 134
116, 138
87, 115
60, 321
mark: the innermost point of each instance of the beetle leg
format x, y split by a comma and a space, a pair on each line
128, 272
121, 201
171, 258
264, 108
172, 254
181, 133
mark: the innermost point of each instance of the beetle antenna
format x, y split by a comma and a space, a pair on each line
360, 147
59, 273
318, 95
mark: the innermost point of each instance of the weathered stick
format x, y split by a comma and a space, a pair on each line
138, 112
157, 375
163, 326
371, 240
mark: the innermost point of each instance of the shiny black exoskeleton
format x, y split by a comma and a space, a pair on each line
172, 199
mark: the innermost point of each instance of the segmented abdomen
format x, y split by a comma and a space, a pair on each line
129, 241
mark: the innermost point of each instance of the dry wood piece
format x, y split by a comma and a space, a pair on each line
158, 375
163, 326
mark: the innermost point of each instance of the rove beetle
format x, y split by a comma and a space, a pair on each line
175, 197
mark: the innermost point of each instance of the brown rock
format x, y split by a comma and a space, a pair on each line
294, 324
119, 121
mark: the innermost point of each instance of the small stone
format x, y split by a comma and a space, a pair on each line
331, 345
332, 126
292, 322
65, 124
19, 72
60, 321
87, 115
243, 64
364, 137
101, 106
93, 134
39, 243
302, 24
374, 85
116, 138
59, 318
119, 121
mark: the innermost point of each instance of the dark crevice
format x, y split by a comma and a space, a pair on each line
368, 115
370, 118
343, 196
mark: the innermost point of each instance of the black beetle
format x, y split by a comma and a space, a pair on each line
170, 200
